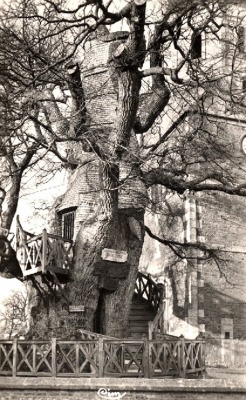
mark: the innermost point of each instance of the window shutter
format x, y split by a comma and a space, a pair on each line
68, 219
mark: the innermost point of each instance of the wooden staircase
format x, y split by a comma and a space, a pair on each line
146, 304
140, 315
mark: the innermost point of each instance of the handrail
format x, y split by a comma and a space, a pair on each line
85, 334
158, 328
34, 238
157, 325
51, 235
21, 233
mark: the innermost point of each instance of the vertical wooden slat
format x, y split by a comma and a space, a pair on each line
53, 356
57, 244
182, 357
146, 359
34, 357
150, 329
122, 360
100, 356
150, 367
44, 252
192, 348
77, 358
15, 361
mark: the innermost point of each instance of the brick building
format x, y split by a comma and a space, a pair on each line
208, 294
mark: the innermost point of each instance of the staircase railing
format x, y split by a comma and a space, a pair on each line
146, 288
157, 325
88, 335
43, 252
158, 328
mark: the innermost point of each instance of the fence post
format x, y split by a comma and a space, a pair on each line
150, 369
44, 253
202, 355
182, 372
100, 357
150, 329
53, 355
146, 358
15, 350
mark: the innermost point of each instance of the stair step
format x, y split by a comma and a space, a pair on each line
139, 326
141, 305
141, 317
139, 335
142, 314
137, 329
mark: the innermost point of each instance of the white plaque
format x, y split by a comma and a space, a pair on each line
76, 308
114, 255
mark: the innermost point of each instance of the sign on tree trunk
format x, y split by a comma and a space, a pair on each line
76, 309
114, 255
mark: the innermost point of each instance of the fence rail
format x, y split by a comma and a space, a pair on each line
102, 357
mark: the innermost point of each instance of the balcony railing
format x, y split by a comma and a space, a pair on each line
42, 253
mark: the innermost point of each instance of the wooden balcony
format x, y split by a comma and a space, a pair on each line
43, 253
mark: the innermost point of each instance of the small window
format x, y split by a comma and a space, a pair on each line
244, 85
241, 39
226, 328
196, 46
68, 219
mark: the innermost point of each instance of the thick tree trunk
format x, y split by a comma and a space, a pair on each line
50, 316
117, 305
107, 228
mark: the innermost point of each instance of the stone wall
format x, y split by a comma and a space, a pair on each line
229, 353
225, 295
128, 389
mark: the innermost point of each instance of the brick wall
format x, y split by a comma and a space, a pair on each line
225, 295
223, 219
223, 227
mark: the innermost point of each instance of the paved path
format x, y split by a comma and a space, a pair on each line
227, 373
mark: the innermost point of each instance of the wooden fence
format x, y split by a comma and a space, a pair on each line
102, 357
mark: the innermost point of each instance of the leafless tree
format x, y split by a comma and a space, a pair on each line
14, 315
